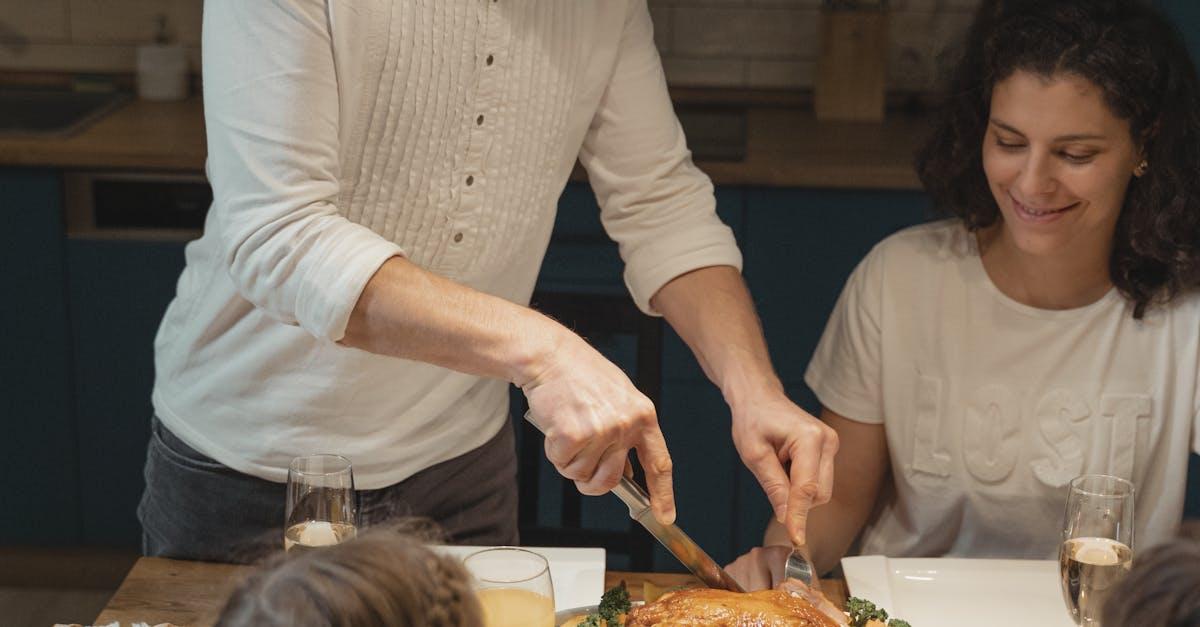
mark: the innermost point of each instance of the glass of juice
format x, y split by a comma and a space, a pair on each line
321, 509
1097, 548
513, 586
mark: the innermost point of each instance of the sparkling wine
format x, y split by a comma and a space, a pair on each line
1090, 568
515, 607
314, 534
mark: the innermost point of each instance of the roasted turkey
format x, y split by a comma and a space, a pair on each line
721, 608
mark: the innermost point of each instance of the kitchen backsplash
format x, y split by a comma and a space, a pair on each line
774, 43
91, 35
712, 43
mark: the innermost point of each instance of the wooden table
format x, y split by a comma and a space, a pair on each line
191, 594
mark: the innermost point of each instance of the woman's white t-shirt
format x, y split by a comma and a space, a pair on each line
991, 407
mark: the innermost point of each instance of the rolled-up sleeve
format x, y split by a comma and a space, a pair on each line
654, 202
271, 112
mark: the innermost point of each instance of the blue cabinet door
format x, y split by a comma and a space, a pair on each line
1186, 16
38, 450
802, 246
118, 292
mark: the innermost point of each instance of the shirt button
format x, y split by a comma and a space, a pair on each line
479, 121
490, 59
470, 180
457, 237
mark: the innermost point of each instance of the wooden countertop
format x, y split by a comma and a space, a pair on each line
786, 147
789, 147
160, 590
139, 135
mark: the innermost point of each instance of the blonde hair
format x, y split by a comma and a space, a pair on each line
385, 577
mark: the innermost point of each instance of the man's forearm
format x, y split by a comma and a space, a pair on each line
711, 310
591, 413
412, 313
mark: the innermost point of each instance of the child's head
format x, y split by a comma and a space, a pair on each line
1162, 589
383, 578
1076, 124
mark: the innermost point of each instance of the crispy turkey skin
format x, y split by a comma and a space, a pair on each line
721, 608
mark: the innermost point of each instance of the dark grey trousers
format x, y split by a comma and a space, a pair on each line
196, 508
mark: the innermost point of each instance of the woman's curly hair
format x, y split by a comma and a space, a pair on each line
1140, 63
387, 577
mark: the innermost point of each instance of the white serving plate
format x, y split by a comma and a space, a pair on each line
950, 592
578, 574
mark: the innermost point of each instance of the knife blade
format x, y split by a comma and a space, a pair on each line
671, 536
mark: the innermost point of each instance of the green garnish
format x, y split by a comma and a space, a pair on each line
862, 611
613, 603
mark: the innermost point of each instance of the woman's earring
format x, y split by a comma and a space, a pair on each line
1141, 168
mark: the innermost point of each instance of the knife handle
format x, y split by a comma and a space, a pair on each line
630, 493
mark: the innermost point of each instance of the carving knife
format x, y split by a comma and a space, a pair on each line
671, 536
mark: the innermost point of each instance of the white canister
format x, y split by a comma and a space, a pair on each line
162, 72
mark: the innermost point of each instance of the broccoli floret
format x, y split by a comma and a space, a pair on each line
592, 620
613, 603
862, 610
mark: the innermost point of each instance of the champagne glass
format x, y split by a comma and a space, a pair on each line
1097, 548
320, 503
513, 586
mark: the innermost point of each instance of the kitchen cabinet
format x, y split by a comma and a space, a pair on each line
82, 313
804, 243
77, 369
1186, 16
39, 450
118, 290
803, 246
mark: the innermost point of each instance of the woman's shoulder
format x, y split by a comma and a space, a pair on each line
935, 242
913, 256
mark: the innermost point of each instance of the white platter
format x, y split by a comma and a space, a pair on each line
949, 592
578, 574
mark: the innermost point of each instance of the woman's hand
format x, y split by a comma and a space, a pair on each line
761, 568
592, 415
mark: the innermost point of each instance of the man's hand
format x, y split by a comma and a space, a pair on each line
791, 454
592, 415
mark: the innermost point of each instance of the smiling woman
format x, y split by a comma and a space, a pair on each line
1051, 327
1069, 100
1058, 162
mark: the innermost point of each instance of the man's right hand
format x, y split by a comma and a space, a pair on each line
591, 413
592, 416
